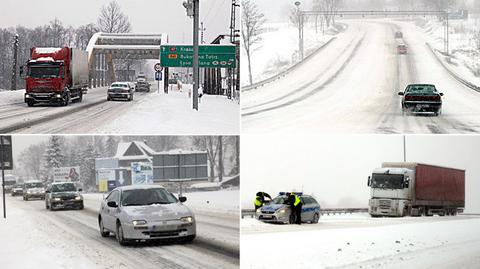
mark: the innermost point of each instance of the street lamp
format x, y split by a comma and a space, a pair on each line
300, 30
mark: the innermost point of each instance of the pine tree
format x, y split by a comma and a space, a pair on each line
53, 156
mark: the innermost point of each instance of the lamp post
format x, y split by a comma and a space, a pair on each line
300, 30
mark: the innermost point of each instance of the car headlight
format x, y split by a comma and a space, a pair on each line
187, 219
29, 191
139, 222
27, 95
282, 211
57, 199
78, 198
259, 210
59, 96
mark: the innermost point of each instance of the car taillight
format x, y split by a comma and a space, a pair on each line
408, 98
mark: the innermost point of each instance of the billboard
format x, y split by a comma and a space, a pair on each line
71, 173
181, 166
142, 173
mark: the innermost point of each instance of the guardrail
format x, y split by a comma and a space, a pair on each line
288, 70
453, 74
323, 211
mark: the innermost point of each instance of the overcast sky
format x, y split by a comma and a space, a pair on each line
146, 16
335, 168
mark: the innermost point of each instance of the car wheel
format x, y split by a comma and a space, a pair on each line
103, 232
315, 218
51, 207
108, 98
189, 238
119, 235
26, 199
80, 207
31, 103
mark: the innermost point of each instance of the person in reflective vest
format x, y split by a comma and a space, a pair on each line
260, 199
296, 207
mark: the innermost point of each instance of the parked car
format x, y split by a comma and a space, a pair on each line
63, 195
278, 211
398, 34
401, 49
145, 212
421, 98
33, 189
120, 90
17, 189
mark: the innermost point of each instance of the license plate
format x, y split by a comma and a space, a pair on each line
162, 228
267, 217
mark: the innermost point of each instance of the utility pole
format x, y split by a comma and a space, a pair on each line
233, 74
14, 70
193, 10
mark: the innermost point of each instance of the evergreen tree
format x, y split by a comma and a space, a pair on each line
53, 156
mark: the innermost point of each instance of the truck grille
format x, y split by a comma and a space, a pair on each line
385, 204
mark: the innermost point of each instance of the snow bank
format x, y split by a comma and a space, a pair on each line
322, 246
11, 97
279, 49
172, 113
47, 50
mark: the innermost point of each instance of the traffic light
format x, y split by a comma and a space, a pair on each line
189, 7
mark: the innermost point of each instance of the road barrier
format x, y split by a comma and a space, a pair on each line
323, 211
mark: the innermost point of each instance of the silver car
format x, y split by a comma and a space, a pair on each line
121, 90
145, 212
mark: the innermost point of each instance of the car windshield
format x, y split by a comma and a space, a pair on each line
63, 187
389, 181
279, 200
147, 197
421, 89
34, 185
17, 185
118, 85
44, 71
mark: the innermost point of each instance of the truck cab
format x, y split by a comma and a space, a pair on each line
390, 191
55, 75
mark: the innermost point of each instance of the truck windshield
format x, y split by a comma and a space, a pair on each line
44, 71
63, 187
147, 197
34, 185
390, 181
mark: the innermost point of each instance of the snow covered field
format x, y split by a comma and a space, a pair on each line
357, 241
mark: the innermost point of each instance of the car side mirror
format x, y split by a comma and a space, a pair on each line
441, 94
47, 191
80, 189
369, 181
400, 93
112, 204
182, 199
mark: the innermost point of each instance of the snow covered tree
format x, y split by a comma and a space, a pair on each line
53, 156
252, 24
111, 146
88, 154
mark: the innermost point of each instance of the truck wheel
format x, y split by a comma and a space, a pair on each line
79, 98
66, 99
31, 103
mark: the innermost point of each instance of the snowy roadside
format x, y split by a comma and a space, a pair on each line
173, 114
465, 58
379, 246
279, 49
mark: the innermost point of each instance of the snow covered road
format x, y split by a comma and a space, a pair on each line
352, 85
148, 113
358, 241
70, 239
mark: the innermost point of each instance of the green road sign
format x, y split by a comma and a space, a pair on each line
209, 56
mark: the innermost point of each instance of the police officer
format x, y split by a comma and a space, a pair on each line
296, 206
260, 199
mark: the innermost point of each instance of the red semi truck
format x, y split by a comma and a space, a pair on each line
56, 75
415, 189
